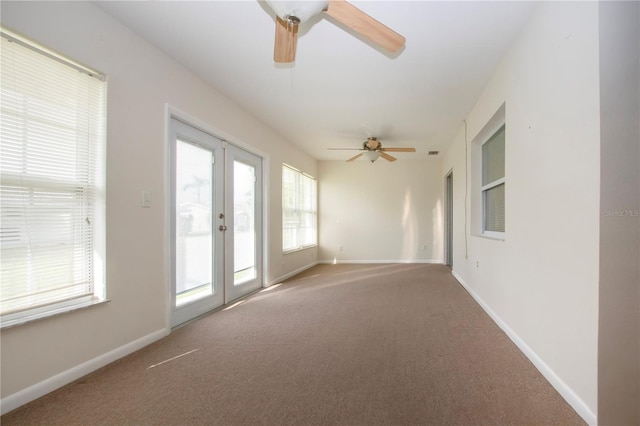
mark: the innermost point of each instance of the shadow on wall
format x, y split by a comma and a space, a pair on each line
437, 238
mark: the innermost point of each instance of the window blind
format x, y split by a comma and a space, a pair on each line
493, 157
493, 181
494, 209
299, 209
52, 131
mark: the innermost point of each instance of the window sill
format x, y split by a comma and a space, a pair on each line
299, 249
496, 236
16, 320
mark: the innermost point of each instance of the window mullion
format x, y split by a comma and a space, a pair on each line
492, 184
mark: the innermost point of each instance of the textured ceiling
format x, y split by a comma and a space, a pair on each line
341, 89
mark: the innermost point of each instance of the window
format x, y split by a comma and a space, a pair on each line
52, 175
493, 184
487, 177
299, 209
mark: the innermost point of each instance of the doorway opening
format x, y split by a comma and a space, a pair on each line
448, 219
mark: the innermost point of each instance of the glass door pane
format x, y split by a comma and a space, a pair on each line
197, 222
243, 216
244, 206
194, 239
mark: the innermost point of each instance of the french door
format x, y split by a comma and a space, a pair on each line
216, 222
243, 206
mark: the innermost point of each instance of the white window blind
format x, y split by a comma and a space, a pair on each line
52, 132
299, 209
493, 182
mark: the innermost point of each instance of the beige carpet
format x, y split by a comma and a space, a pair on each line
336, 345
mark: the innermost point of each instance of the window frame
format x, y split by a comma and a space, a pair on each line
93, 207
474, 168
499, 235
314, 211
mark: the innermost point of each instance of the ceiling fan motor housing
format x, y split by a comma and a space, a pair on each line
372, 144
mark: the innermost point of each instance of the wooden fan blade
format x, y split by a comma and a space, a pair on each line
399, 149
365, 25
286, 42
355, 157
387, 157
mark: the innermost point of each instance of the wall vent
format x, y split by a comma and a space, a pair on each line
434, 152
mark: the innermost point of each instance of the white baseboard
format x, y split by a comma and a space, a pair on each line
292, 273
437, 261
310, 265
33, 392
563, 389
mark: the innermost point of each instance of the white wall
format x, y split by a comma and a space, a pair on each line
541, 283
141, 80
380, 212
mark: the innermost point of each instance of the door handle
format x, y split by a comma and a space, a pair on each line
222, 228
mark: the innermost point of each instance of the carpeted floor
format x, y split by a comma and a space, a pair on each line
336, 345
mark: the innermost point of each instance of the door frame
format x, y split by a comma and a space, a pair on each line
171, 112
448, 218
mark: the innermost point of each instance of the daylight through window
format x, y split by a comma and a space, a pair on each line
493, 183
299, 210
53, 118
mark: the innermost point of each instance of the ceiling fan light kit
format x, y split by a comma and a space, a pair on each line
292, 13
373, 155
302, 10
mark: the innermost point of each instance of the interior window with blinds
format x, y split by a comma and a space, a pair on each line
493, 183
52, 177
299, 210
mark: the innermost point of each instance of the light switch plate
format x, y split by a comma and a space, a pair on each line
145, 200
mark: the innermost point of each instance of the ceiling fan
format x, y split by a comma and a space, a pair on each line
373, 148
292, 13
